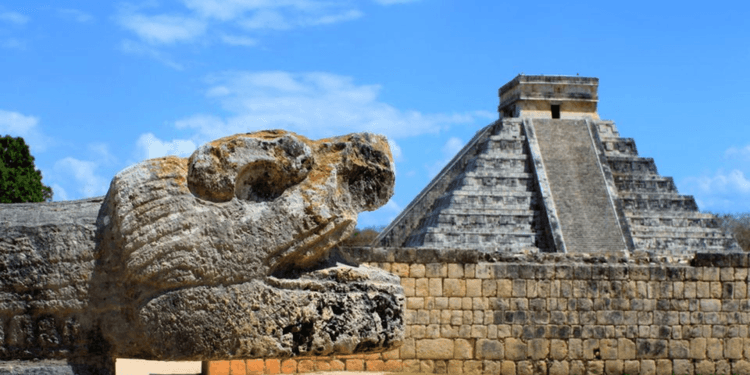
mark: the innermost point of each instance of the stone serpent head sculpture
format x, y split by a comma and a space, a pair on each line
221, 255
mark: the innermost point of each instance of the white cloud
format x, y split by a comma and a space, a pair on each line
348, 15
266, 19
149, 146
395, 150
742, 153
236, 40
59, 194
136, 48
163, 29
14, 17
18, 125
83, 173
451, 147
724, 191
13, 43
392, 206
212, 17
103, 155
75, 15
314, 104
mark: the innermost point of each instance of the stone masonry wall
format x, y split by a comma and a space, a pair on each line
556, 314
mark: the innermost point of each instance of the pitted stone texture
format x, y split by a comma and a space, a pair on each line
223, 255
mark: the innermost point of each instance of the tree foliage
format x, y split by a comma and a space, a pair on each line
739, 226
361, 237
20, 181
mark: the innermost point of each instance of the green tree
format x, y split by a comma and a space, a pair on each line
20, 181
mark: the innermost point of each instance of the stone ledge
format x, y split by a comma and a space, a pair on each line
427, 255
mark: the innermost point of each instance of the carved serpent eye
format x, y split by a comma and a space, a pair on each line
265, 180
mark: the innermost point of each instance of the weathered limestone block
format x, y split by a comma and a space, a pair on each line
221, 255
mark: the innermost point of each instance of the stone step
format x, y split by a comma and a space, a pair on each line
687, 232
481, 181
456, 239
483, 218
450, 226
673, 222
644, 184
691, 244
619, 147
658, 203
520, 200
510, 163
518, 238
632, 165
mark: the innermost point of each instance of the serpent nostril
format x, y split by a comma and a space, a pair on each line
264, 181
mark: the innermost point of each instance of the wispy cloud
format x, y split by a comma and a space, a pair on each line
315, 104
13, 17
149, 146
19, 125
137, 48
75, 15
727, 189
227, 21
740, 154
83, 175
13, 43
163, 29
451, 147
236, 40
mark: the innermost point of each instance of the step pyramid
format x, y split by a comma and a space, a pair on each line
550, 176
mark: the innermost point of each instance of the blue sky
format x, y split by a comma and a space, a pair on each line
94, 86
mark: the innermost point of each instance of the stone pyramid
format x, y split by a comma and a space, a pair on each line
550, 176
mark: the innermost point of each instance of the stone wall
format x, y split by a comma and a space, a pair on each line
559, 314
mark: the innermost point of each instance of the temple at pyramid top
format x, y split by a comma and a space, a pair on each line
550, 176
549, 97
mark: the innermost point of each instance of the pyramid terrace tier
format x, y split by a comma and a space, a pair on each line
632, 165
619, 147
473, 200
658, 202
676, 245
506, 162
678, 220
488, 240
503, 145
492, 180
516, 220
644, 184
